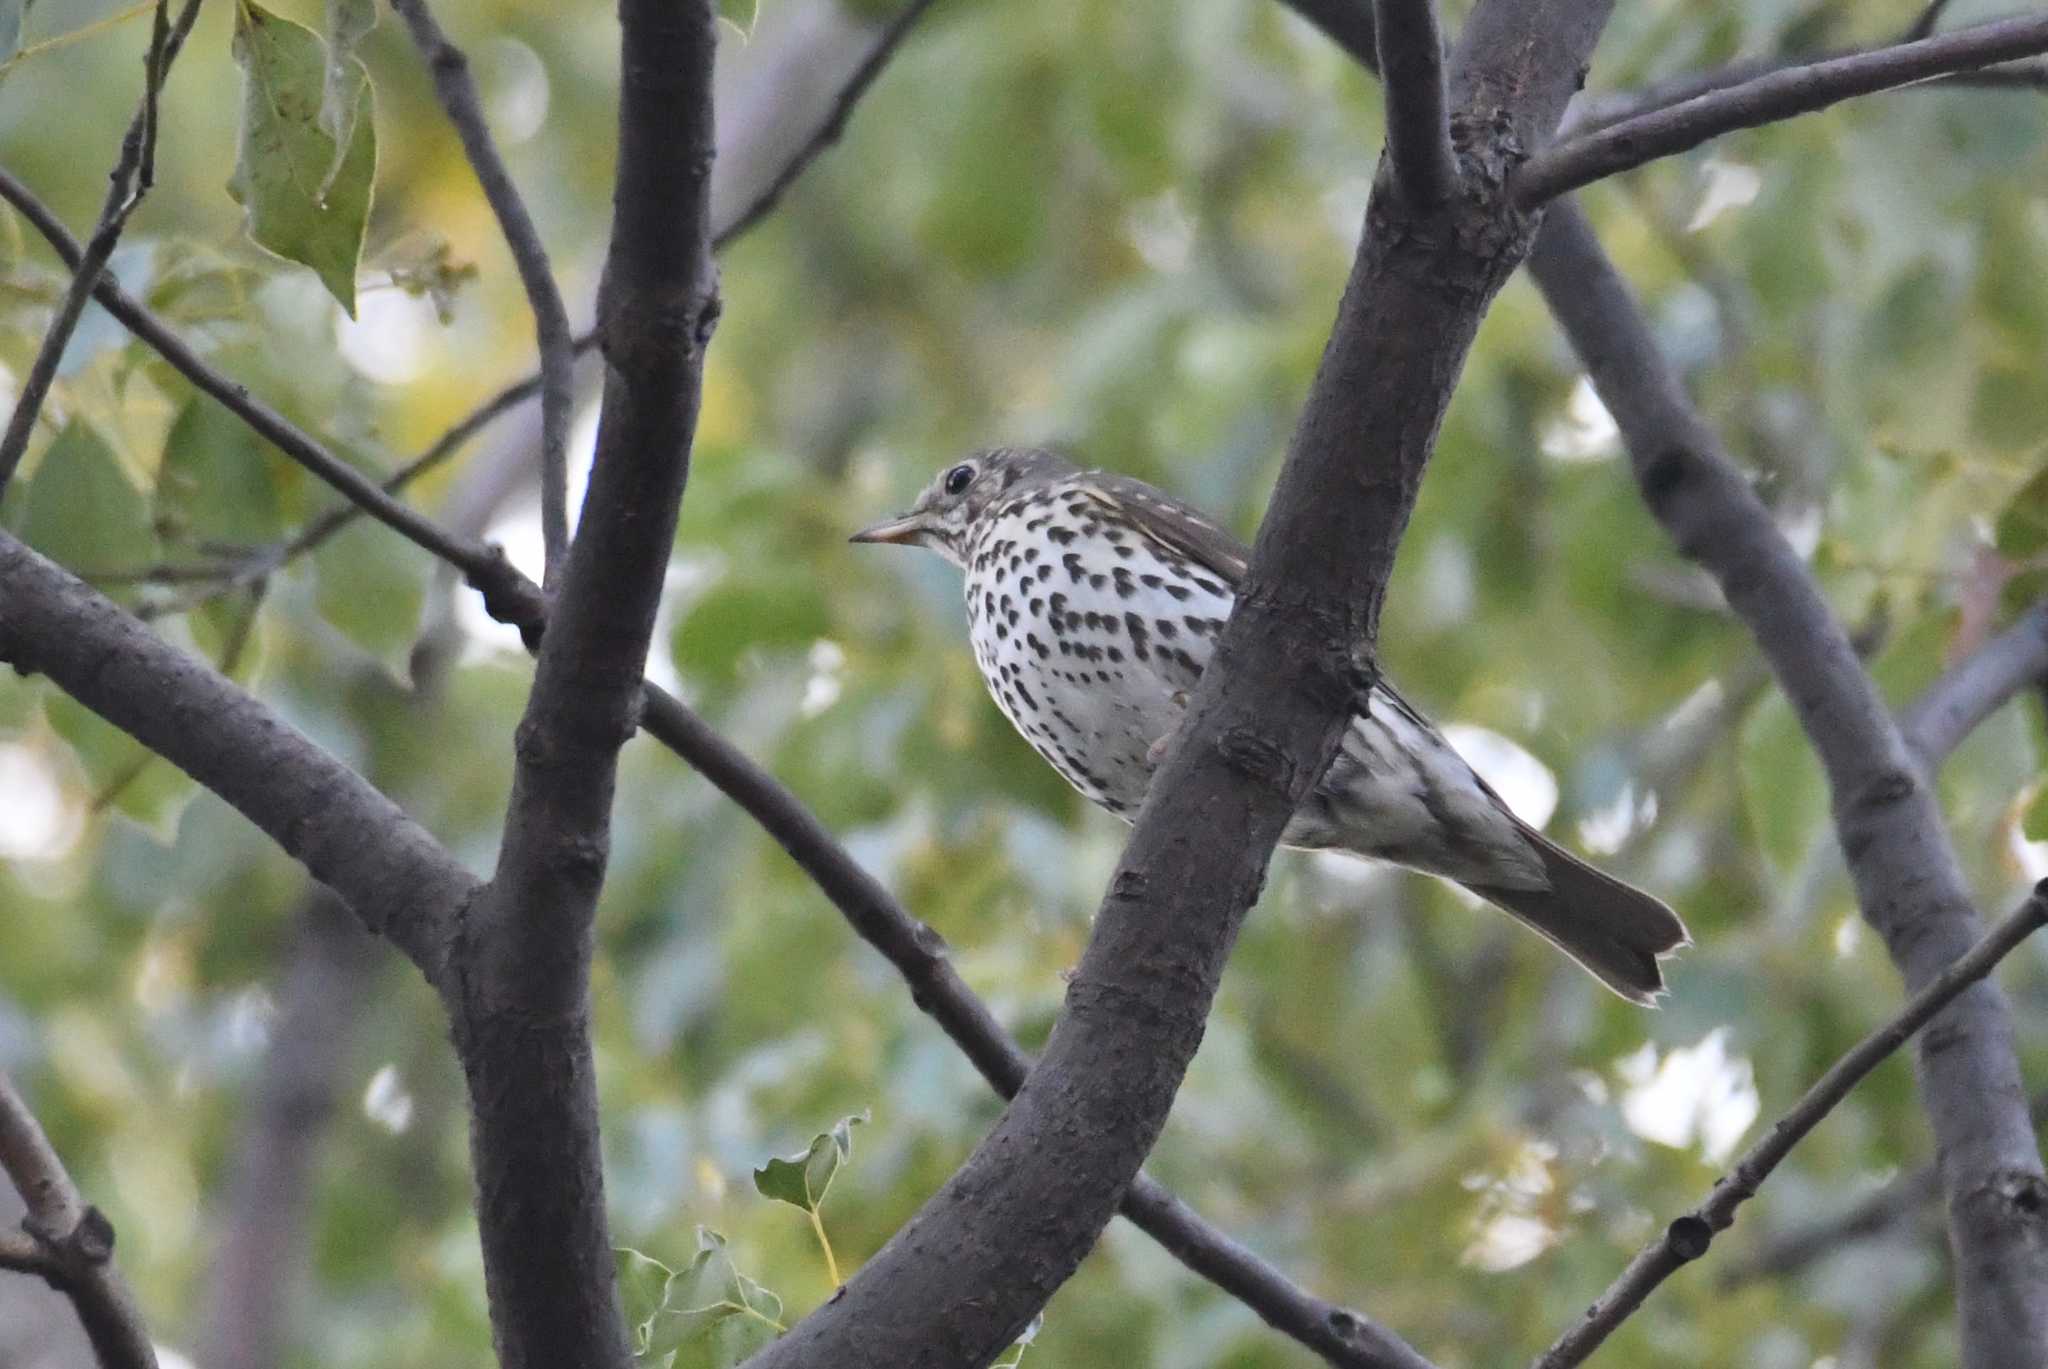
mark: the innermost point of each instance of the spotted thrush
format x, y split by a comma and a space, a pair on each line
1093, 603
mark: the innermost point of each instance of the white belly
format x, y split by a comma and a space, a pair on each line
1085, 645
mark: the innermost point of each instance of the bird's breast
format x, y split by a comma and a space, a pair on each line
1089, 636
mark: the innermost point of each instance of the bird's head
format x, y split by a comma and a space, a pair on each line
944, 515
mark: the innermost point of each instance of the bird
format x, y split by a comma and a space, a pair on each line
1094, 602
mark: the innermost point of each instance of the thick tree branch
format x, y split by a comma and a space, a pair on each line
521, 1003
458, 93
1976, 687
1688, 1237
1907, 879
70, 1244
1011, 1225
1411, 58
1342, 1337
1769, 98
134, 173
353, 839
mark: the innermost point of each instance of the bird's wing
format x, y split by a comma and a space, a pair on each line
1171, 523
1182, 529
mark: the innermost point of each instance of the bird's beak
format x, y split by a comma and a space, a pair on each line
903, 530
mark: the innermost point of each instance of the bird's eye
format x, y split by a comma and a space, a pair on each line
959, 478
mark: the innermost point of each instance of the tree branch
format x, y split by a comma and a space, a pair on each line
1976, 687
1012, 1223
134, 173
1769, 98
1411, 59
1907, 879
1688, 1237
485, 567
521, 1004
353, 839
1346, 1337
832, 127
458, 94
71, 1241
1342, 1337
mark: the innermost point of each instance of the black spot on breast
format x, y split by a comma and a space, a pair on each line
1166, 628
1179, 592
1063, 536
1097, 581
1149, 580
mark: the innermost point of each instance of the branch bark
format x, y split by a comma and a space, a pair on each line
458, 93
351, 837
1688, 1237
1766, 99
1976, 687
69, 1242
1411, 56
1341, 1336
1010, 1226
520, 1005
1907, 880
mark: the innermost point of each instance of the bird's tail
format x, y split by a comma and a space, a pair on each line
1613, 929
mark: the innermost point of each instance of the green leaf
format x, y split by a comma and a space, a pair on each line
713, 1316
125, 775
2023, 523
801, 1180
1784, 793
372, 587
306, 196
643, 1292
2034, 818
83, 511
348, 23
215, 484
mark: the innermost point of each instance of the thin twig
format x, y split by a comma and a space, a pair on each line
74, 1240
1769, 98
1928, 21
133, 175
1688, 1237
1418, 131
228, 574
828, 132
485, 566
1342, 1337
1873, 1215
453, 83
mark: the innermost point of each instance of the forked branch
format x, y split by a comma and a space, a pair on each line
1770, 98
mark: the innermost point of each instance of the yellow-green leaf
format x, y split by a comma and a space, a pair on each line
306, 196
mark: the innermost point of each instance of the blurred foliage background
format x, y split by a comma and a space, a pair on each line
1122, 227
